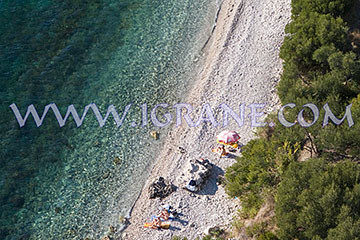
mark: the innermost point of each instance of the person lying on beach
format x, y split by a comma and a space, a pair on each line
221, 150
156, 223
164, 214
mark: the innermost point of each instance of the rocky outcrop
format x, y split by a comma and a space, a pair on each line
161, 188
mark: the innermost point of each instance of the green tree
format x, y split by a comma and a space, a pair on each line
257, 170
334, 7
317, 199
313, 194
308, 34
341, 141
347, 228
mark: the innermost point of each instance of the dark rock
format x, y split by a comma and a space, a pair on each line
182, 150
117, 161
3, 232
25, 236
97, 144
105, 175
161, 188
17, 201
57, 210
155, 135
112, 229
21, 174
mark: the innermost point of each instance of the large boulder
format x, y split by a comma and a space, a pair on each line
197, 172
161, 188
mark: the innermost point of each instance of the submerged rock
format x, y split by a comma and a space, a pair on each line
97, 144
25, 236
105, 175
122, 219
155, 135
106, 238
17, 201
117, 161
57, 210
112, 229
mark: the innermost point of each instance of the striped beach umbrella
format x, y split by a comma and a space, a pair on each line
227, 137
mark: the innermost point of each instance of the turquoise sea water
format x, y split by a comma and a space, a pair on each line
69, 182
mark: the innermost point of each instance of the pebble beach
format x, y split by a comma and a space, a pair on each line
241, 66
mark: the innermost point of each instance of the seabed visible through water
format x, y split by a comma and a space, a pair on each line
69, 182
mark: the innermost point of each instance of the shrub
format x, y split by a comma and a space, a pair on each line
257, 170
256, 229
267, 236
178, 238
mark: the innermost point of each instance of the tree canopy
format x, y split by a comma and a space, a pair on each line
318, 198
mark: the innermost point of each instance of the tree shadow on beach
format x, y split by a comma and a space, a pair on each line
210, 187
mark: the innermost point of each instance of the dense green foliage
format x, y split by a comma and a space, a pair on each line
333, 7
320, 68
313, 34
267, 236
318, 198
257, 170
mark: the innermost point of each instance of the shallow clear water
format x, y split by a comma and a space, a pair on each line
69, 182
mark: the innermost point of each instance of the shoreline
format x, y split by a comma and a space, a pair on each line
241, 64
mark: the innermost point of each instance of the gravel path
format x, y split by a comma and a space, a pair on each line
241, 66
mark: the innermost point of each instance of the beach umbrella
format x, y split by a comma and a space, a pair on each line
227, 137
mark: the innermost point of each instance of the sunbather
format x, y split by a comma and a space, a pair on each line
156, 223
220, 150
164, 214
223, 151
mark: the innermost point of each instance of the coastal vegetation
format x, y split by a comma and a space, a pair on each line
310, 174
